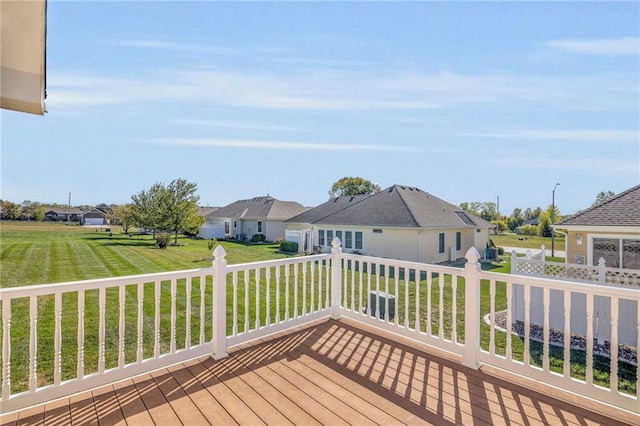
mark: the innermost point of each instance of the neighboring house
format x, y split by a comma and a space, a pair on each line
610, 230
205, 211
94, 217
244, 218
400, 222
64, 214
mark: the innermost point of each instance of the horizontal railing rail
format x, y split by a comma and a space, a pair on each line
63, 338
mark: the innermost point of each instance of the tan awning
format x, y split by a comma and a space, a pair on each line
22, 55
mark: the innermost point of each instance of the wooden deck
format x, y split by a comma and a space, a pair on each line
332, 372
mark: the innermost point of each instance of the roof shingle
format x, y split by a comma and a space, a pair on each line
620, 210
259, 208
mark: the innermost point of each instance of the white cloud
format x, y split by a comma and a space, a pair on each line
234, 125
626, 167
343, 91
625, 46
280, 145
622, 136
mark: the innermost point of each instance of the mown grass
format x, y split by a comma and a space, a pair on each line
527, 241
47, 253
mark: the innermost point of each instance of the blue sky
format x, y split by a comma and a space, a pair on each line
468, 101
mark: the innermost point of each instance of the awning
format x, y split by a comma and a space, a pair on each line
22, 55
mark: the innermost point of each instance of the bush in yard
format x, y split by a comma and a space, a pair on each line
530, 230
162, 240
257, 238
500, 251
289, 246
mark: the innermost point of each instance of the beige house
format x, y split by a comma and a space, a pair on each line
610, 230
242, 219
400, 222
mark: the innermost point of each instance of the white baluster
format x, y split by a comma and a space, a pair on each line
257, 278
6, 348
406, 297
396, 272
454, 308
440, 307
234, 280
287, 271
140, 330
492, 313
545, 343
57, 362
172, 345
101, 329
33, 343
268, 298
187, 342
613, 381
80, 362
304, 288
527, 324
386, 292
156, 330
278, 294
246, 300
429, 329
589, 355
121, 300
203, 285
567, 334
509, 325
295, 290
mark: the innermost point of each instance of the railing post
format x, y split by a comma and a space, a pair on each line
514, 262
543, 250
471, 309
336, 285
602, 271
219, 303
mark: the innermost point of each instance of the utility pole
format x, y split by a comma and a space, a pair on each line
553, 219
498, 213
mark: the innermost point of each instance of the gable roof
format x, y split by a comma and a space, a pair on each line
402, 206
93, 212
330, 207
64, 211
620, 210
259, 208
204, 211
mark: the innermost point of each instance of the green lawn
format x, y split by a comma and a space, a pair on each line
41, 253
47, 253
513, 240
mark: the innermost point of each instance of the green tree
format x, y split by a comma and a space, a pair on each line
123, 216
544, 225
602, 197
181, 210
353, 186
9, 210
513, 223
486, 210
556, 213
147, 208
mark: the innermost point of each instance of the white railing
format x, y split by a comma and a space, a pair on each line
600, 274
63, 338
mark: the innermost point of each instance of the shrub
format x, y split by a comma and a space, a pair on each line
256, 238
212, 243
162, 240
500, 251
289, 246
530, 230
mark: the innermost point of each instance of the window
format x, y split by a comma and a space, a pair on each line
235, 224
618, 252
458, 240
339, 236
329, 237
321, 237
348, 242
358, 240
259, 226
441, 242
226, 227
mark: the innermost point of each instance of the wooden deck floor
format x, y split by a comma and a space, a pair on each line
333, 372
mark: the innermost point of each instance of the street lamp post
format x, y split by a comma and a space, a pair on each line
553, 219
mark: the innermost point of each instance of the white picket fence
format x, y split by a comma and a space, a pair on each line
63, 338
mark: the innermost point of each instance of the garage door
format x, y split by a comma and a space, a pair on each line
94, 221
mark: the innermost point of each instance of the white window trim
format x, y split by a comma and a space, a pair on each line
591, 237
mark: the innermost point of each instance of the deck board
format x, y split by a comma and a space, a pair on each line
331, 372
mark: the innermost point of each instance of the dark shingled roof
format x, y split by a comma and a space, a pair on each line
620, 210
259, 208
205, 211
401, 206
330, 207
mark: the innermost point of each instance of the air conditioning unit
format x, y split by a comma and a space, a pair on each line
379, 311
578, 260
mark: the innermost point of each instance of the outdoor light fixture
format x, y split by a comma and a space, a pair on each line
579, 239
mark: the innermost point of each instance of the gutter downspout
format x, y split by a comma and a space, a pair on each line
566, 244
